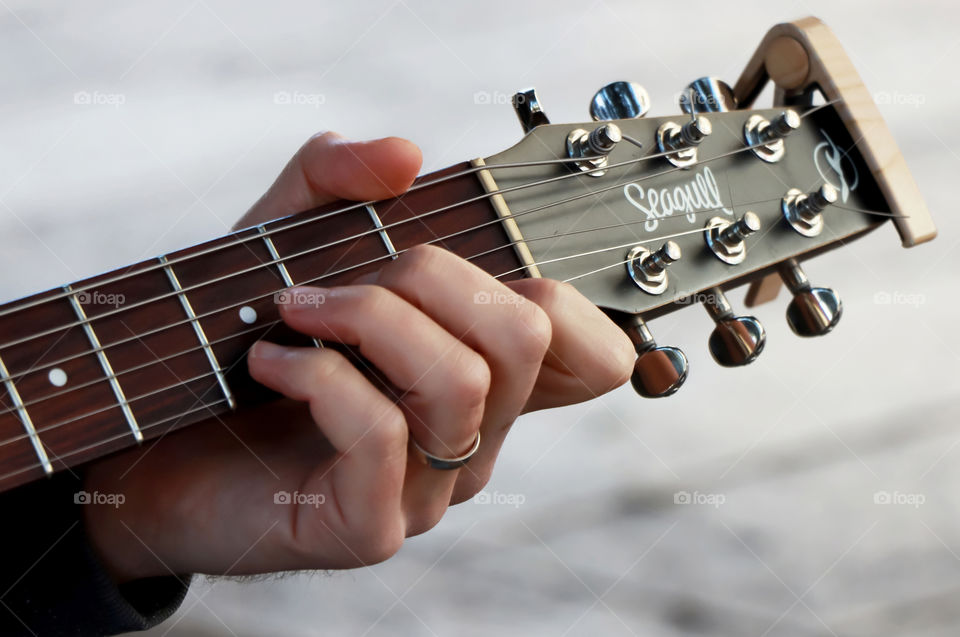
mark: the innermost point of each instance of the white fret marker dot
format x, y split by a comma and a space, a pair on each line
248, 315
57, 377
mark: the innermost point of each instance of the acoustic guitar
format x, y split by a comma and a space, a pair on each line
644, 215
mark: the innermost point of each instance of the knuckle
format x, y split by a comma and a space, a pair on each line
420, 258
373, 300
381, 542
535, 331
325, 366
471, 381
427, 518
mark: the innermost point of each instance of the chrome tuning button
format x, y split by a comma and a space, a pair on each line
707, 95
768, 135
683, 139
649, 269
803, 210
527, 106
620, 100
736, 340
593, 146
726, 239
658, 371
813, 311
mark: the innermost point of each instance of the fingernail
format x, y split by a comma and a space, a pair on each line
302, 297
266, 350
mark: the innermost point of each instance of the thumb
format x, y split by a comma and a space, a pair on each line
330, 167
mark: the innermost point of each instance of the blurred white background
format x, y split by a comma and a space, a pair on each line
184, 133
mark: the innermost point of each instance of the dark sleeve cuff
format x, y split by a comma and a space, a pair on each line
52, 583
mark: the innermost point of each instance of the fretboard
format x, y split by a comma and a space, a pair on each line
109, 362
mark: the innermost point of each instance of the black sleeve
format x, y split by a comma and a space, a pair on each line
51, 582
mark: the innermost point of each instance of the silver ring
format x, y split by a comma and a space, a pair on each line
444, 464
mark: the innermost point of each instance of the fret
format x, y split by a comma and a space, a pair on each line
377, 223
281, 266
25, 418
105, 364
201, 335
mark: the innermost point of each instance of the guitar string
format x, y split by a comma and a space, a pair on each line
384, 257
372, 231
592, 252
264, 326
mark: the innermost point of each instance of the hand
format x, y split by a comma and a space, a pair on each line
205, 499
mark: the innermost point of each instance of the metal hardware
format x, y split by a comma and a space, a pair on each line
649, 269
726, 239
620, 100
736, 340
803, 210
708, 95
769, 134
683, 139
658, 371
595, 144
813, 311
527, 106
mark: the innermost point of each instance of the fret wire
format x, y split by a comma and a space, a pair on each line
105, 364
370, 261
25, 420
481, 197
415, 187
282, 267
104, 441
100, 410
388, 244
198, 330
505, 246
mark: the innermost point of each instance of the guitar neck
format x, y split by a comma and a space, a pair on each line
109, 362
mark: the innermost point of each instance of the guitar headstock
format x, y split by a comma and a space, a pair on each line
647, 215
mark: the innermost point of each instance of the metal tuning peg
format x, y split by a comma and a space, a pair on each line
803, 210
620, 100
527, 106
768, 135
683, 139
649, 269
708, 95
659, 371
726, 239
593, 146
813, 311
736, 340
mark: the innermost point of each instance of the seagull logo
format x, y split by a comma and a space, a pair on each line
835, 167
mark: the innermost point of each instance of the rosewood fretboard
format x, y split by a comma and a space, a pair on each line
107, 362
